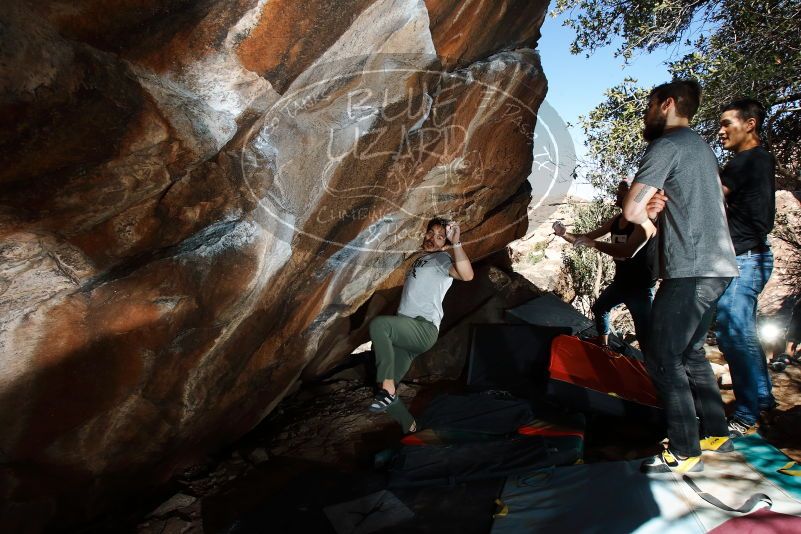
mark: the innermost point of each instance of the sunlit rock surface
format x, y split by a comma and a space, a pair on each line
776, 300
199, 199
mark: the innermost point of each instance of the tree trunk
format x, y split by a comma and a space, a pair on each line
599, 272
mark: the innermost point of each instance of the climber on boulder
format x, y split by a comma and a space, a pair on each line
398, 339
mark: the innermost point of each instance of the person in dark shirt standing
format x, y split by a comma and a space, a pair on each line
749, 187
697, 262
633, 249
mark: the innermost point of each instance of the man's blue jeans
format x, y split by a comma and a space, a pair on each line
738, 340
637, 299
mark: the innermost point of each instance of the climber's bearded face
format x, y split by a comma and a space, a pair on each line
434, 239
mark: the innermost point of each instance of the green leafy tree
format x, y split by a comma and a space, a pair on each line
614, 140
615, 145
734, 48
588, 270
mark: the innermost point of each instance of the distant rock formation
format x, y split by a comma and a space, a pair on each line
538, 254
199, 199
776, 299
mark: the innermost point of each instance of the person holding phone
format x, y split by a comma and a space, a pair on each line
398, 339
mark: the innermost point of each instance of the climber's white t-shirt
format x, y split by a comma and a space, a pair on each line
426, 284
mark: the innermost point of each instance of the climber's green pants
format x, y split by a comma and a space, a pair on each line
397, 340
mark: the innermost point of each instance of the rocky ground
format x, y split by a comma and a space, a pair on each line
781, 426
325, 428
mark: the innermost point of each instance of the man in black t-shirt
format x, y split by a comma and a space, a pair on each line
748, 184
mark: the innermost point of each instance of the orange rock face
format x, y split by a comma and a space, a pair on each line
199, 199
466, 30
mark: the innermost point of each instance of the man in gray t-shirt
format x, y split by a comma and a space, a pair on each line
694, 238
696, 262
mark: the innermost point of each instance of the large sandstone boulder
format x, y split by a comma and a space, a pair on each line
199, 199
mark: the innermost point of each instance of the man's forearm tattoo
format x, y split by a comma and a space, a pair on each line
641, 195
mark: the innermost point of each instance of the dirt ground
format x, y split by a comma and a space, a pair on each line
325, 434
781, 426
319, 445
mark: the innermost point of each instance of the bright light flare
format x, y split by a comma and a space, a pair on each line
769, 332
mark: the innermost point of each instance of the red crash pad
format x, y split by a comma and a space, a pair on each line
600, 369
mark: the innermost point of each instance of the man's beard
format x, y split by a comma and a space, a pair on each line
654, 128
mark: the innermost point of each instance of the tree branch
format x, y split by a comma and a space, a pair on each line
786, 99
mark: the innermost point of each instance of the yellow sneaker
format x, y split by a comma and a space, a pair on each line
717, 444
666, 462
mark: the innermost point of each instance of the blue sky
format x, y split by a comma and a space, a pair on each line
576, 83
